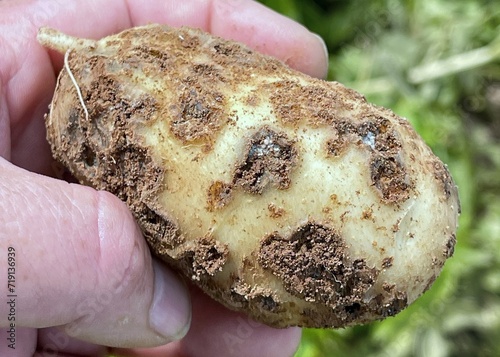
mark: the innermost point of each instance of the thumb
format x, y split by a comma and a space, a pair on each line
81, 263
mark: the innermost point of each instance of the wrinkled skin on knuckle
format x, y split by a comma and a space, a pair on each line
123, 257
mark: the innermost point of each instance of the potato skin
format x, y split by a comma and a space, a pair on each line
286, 197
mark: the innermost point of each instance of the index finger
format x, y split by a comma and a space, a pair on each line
245, 21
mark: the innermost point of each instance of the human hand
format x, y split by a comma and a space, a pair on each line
83, 271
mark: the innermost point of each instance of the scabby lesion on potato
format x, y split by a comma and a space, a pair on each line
314, 265
245, 294
442, 175
219, 195
199, 115
205, 259
388, 170
449, 247
269, 159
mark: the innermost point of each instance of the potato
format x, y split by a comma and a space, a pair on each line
287, 197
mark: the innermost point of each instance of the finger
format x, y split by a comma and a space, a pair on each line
81, 263
54, 341
216, 331
271, 33
245, 21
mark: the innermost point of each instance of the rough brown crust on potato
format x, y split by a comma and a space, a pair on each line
314, 266
287, 197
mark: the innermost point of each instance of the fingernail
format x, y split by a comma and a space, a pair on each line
325, 49
170, 312
323, 44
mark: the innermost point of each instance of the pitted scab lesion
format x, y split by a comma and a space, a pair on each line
219, 195
199, 115
314, 265
388, 171
269, 159
207, 257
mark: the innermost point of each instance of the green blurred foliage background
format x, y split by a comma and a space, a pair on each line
436, 62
